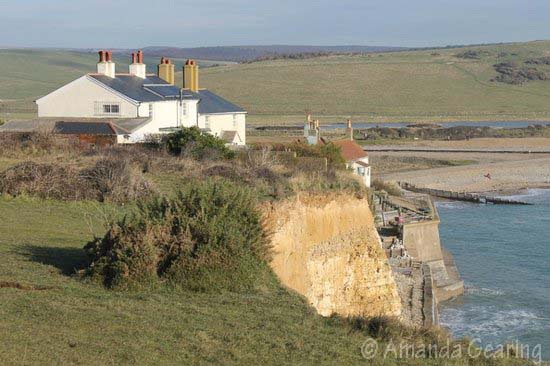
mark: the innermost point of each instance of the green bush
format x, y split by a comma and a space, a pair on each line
329, 151
209, 237
199, 145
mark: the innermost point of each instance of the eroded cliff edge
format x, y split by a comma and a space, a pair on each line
327, 248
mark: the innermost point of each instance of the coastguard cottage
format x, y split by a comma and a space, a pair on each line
133, 106
356, 158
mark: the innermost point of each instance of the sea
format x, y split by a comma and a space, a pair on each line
503, 255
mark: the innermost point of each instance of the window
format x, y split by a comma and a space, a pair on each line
207, 122
184, 109
106, 108
111, 108
151, 109
234, 121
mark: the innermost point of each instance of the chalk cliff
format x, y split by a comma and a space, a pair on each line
326, 248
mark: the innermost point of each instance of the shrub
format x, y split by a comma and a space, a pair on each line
511, 73
43, 180
389, 187
109, 180
209, 237
191, 141
329, 151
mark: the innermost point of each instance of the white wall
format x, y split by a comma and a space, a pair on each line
225, 122
78, 98
165, 116
189, 119
366, 176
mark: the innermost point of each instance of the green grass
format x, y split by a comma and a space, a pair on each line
426, 85
77, 322
402, 86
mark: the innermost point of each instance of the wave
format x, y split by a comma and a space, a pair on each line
490, 324
529, 194
453, 205
483, 291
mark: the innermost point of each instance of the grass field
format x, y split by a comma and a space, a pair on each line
51, 315
426, 85
73, 322
58, 319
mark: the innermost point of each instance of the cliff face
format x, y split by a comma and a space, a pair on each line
327, 249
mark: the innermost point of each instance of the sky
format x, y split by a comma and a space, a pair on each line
184, 23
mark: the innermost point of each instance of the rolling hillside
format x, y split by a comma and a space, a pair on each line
421, 85
410, 86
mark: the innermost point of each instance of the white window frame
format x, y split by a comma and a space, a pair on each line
235, 121
207, 122
184, 109
100, 108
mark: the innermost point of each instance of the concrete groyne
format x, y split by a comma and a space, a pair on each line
461, 196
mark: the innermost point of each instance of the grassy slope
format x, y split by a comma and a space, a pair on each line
75, 322
413, 85
81, 323
394, 86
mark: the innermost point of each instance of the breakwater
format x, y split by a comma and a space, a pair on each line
461, 196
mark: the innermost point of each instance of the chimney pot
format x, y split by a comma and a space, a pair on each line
106, 66
137, 67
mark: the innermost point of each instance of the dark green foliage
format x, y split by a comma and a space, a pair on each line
451, 133
209, 237
471, 54
538, 61
512, 73
329, 151
198, 145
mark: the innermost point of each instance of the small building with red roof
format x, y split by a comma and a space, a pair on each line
356, 158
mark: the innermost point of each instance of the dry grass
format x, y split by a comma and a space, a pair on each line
110, 179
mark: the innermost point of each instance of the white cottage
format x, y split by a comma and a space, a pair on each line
137, 105
356, 159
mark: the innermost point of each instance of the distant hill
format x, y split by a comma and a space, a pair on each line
249, 53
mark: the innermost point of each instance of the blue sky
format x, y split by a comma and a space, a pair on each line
183, 23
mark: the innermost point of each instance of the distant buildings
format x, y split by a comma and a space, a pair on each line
135, 105
356, 158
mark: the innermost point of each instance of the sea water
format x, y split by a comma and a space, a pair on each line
503, 255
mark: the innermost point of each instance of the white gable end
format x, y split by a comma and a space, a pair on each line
85, 98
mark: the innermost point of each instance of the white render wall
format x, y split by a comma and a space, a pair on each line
166, 114
225, 122
77, 99
366, 177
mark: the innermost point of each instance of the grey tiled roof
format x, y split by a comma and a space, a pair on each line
92, 126
212, 103
137, 88
154, 89
87, 128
